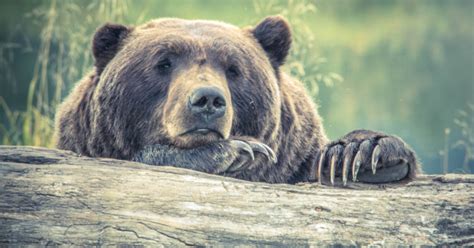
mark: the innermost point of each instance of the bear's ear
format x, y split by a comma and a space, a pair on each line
106, 43
274, 35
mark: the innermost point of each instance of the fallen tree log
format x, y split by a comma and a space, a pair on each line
53, 197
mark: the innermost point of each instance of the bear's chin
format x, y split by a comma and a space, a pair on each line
196, 139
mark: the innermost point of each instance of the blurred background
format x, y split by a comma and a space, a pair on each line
402, 67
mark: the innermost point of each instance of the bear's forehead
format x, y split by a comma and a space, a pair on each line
191, 35
187, 26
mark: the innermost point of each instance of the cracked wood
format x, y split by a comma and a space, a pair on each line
53, 197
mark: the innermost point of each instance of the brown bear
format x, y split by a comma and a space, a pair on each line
212, 97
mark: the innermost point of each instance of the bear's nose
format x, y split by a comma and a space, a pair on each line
208, 103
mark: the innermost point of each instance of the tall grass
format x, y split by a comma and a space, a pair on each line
303, 62
63, 58
465, 124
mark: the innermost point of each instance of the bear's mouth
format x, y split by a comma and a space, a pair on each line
203, 132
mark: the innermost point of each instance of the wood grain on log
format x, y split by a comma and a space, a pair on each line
52, 197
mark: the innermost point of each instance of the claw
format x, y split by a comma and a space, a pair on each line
375, 158
333, 169
245, 147
356, 166
320, 165
265, 150
349, 150
259, 147
345, 170
272, 155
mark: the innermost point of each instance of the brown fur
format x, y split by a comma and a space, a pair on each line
131, 101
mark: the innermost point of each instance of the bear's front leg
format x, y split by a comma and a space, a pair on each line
367, 156
220, 157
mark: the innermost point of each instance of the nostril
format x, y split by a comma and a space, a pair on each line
218, 102
207, 102
201, 102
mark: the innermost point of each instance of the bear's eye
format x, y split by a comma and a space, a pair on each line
164, 65
233, 71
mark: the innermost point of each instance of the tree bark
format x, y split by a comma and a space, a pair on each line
53, 197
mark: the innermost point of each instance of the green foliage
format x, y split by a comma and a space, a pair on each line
64, 57
303, 62
465, 124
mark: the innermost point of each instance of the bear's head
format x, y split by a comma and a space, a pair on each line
187, 83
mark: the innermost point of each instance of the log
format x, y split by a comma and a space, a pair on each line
53, 197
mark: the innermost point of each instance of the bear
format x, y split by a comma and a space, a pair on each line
213, 97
